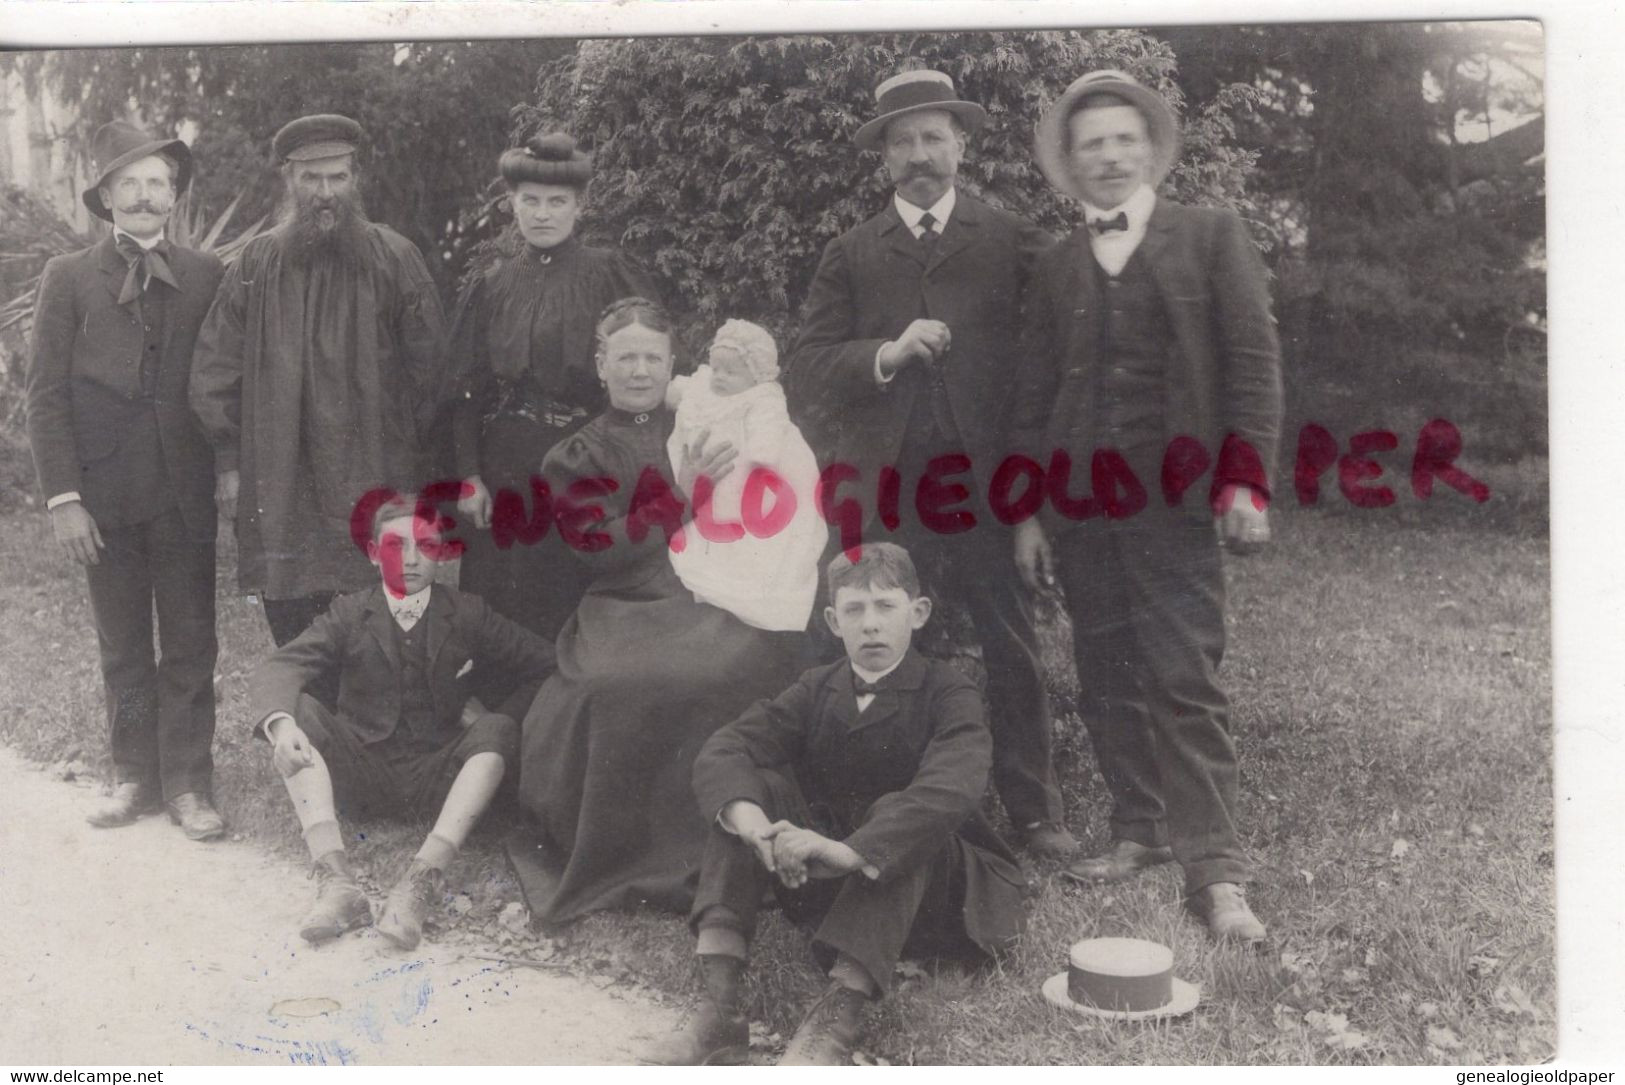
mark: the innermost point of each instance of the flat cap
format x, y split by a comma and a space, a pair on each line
320, 135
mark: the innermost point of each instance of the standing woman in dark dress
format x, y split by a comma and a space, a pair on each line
522, 344
645, 672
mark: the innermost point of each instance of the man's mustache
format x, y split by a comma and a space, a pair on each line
147, 206
923, 169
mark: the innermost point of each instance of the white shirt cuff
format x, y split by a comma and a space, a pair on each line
61, 499
265, 724
881, 376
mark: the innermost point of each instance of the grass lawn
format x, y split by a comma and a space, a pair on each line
1390, 673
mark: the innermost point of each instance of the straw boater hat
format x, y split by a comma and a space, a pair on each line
1122, 979
320, 135
118, 143
910, 92
550, 159
1051, 138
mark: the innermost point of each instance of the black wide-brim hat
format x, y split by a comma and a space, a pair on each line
913, 92
1050, 141
118, 143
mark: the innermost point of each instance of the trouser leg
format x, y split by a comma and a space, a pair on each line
984, 577
872, 921
182, 572
1175, 583
121, 604
1110, 697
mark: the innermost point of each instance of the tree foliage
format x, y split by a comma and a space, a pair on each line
727, 163
436, 114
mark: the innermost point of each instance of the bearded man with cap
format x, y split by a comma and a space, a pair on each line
317, 375
1151, 355
907, 351
127, 474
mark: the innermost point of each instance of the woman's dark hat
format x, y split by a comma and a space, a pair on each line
118, 143
1050, 141
1121, 979
550, 159
320, 135
910, 92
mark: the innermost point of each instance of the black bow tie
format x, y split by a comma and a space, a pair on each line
862, 686
145, 266
1117, 222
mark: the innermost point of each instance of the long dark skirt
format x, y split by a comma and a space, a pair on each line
536, 584
646, 674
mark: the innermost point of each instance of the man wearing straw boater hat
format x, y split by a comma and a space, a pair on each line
316, 379
127, 474
1151, 358
907, 346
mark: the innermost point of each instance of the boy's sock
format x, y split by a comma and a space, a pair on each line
323, 838
437, 852
720, 942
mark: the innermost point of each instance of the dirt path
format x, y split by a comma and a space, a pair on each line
135, 945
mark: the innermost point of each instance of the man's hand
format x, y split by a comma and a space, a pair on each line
1035, 561
75, 529
922, 341
701, 458
291, 750
226, 484
1244, 524
800, 854
475, 503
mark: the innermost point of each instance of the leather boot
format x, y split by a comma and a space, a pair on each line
196, 816
1125, 858
1048, 840
409, 904
128, 802
829, 1031
716, 1034
1223, 907
340, 904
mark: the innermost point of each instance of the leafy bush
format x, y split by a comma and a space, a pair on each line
727, 163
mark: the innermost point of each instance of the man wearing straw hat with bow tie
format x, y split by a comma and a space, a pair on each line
1151, 357
127, 473
908, 345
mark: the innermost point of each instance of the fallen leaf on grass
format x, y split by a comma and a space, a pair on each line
1443, 1038
1308, 878
863, 1058
1514, 1001
1335, 1032
1400, 849
761, 1037
1427, 1010
515, 919
1482, 965
1354, 977
910, 970
462, 904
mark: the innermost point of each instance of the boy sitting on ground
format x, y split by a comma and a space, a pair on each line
858, 788
400, 740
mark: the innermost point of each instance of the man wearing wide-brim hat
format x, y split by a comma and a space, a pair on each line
1151, 360
908, 353
127, 474
316, 378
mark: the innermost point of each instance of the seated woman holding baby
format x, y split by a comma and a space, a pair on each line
650, 665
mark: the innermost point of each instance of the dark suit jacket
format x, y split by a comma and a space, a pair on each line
902, 779
356, 638
1224, 379
873, 281
84, 386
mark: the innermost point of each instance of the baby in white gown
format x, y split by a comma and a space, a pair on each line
767, 582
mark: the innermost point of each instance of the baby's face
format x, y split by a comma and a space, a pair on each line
730, 373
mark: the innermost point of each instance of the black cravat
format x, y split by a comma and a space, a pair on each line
862, 686
928, 231
145, 266
1103, 226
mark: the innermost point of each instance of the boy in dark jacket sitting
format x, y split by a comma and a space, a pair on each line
858, 789
400, 741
